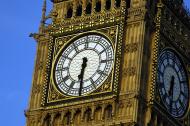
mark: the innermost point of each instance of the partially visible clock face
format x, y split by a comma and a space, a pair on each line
173, 83
84, 65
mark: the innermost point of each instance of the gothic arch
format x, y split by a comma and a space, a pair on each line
108, 112
98, 113
57, 120
79, 10
98, 6
117, 3
69, 11
87, 115
108, 4
67, 118
77, 117
47, 120
89, 7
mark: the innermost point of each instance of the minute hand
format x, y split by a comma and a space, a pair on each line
171, 86
81, 76
171, 91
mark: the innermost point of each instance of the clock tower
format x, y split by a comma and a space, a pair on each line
112, 63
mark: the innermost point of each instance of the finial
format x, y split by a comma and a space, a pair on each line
42, 23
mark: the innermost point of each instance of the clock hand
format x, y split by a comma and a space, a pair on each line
81, 75
171, 91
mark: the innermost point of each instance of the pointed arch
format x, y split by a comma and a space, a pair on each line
108, 112
67, 118
117, 3
47, 120
108, 4
98, 6
57, 120
98, 113
69, 11
89, 7
77, 117
87, 115
79, 10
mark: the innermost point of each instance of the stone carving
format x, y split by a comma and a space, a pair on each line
59, 42
130, 71
130, 48
36, 88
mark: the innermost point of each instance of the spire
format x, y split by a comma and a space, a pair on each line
43, 19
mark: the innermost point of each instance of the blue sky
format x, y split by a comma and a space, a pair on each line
18, 19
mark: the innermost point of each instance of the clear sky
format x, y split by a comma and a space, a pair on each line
17, 20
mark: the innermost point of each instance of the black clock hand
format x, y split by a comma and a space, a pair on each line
80, 77
171, 90
171, 86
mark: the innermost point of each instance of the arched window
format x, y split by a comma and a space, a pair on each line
108, 4
57, 120
87, 115
79, 10
98, 112
108, 112
69, 12
89, 8
77, 117
117, 3
67, 118
128, 2
47, 120
98, 6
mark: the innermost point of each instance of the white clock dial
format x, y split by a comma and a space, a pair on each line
84, 65
173, 83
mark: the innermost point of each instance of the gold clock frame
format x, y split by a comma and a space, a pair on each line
53, 95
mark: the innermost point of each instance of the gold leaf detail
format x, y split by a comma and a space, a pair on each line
130, 48
130, 71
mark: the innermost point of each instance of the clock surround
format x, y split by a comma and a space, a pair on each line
109, 88
94, 53
173, 83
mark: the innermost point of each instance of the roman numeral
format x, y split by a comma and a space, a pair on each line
101, 72
75, 47
93, 83
86, 45
71, 86
65, 78
104, 50
66, 57
182, 82
182, 105
105, 61
182, 93
62, 69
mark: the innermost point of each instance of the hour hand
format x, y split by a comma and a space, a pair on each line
170, 92
80, 77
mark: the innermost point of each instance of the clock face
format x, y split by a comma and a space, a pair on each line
173, 83
84, 65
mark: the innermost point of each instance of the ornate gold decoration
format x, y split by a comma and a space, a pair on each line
155, 54
37, 88
60, 42
130, 48
41, 65
129, 71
